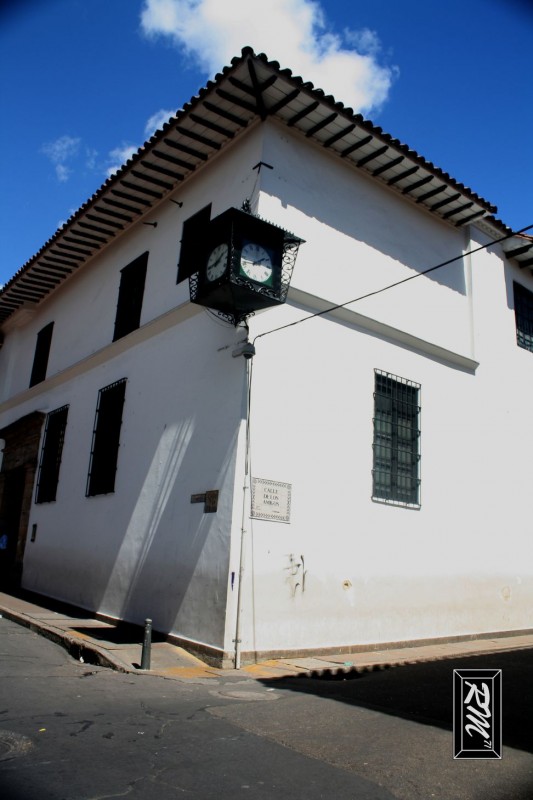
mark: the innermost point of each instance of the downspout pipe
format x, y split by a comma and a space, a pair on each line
239, 587
244, 516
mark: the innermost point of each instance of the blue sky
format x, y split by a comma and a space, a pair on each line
84, 81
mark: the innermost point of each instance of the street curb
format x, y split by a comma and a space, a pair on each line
357, 671
78, 649
88, 651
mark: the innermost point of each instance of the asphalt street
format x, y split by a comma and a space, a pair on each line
73, 731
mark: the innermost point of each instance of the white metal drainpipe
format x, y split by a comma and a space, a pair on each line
243, 518
239, 588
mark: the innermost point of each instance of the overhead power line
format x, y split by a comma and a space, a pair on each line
392, 285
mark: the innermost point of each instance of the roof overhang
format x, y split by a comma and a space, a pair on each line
252, 87
520, 247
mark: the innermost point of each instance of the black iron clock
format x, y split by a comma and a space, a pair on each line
245, 265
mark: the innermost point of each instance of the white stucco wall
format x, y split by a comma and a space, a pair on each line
361, 236
146, 550
374, 572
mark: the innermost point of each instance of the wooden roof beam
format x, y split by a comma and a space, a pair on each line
518, 251
212, 126
371, 156
197, 137
322, 124
126, 196
356, 146
303, 113
183, 148
388, 165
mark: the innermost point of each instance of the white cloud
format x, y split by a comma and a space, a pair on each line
61, 151
293, 32
364, 41
62, 222
62, 173
91, 156
119, 156
157, 121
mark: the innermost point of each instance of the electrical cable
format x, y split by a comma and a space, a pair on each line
392, 285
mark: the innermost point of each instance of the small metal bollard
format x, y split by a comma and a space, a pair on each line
147, 644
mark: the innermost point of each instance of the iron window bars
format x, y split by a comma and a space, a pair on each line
396, 445
523, 309
106, 439
51, 451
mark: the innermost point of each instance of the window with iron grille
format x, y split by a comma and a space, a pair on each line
395, 474
130, 297
42, 351
523, 309
51, 451
106, 439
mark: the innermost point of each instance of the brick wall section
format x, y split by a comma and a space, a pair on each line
22, 441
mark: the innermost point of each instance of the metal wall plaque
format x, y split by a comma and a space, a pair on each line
209, 499
271, 500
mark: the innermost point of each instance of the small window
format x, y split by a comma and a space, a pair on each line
523, 309
130, 297
193, 242
51, 451
106, 439
396, 440
42, 351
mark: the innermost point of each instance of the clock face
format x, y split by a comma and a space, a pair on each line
216, 262
256, 263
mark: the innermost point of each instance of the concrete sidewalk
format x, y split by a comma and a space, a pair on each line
120, 647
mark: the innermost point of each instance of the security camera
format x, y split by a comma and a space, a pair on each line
245, 349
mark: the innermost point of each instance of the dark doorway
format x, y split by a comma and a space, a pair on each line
17, 477
10, 520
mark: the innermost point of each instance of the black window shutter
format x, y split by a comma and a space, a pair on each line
106, 439
52, 448
130, 297
42, 351
193, 242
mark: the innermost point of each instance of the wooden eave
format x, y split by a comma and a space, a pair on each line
252, 87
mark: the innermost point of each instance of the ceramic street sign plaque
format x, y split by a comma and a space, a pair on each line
271, 500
